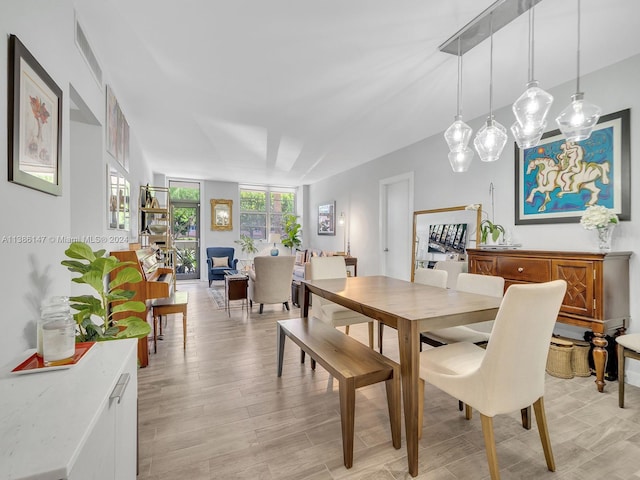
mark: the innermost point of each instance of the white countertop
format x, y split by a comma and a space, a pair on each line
45, 417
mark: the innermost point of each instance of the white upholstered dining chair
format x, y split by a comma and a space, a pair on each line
431, 276
475, 333
509, 375
628, 347
330, 312
425, 276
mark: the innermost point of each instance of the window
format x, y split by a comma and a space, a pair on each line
262, 210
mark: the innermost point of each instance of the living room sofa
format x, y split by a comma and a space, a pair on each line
215, 266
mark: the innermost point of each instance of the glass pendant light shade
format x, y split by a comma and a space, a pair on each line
461, 159
458, 135
490, 140
527, 137
576, 122
532, 107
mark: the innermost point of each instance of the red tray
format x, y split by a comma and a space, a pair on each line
35, 363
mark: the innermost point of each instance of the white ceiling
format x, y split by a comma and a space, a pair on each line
288, 92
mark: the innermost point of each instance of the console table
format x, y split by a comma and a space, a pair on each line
597, 295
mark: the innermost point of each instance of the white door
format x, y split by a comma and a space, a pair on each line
396, 214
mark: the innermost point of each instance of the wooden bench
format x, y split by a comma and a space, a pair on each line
176, 303
350, 362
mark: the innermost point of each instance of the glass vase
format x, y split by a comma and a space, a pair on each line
604, 237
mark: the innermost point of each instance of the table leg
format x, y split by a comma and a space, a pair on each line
155, 336
184, 329
408, 343
600, 358
306, 296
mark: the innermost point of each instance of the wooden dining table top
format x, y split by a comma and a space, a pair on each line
387, 299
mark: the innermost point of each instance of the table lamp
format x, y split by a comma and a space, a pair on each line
274, 238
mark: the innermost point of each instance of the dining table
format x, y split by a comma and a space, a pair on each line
410, 308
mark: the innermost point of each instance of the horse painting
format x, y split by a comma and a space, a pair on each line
568, 173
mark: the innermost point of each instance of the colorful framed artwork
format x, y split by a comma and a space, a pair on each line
35, 123
557, 180
327, 218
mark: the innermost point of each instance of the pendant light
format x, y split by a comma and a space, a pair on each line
492, 137
459, 133
576, 122
532, 107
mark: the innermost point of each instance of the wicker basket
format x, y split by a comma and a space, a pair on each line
580, 359
579, 356
559, 358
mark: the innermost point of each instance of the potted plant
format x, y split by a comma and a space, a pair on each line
292, 232
248, 247
490, 232
94, 269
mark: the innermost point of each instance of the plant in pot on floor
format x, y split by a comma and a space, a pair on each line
248, 247
94, 269
291, 238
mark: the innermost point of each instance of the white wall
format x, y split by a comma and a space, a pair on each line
436, 186
35, 227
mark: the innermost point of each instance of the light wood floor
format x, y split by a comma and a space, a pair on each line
219, 411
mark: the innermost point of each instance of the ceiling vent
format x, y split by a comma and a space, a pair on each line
87, 53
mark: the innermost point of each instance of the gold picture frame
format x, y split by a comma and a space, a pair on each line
221, 214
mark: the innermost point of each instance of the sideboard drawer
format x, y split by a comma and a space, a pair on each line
524, 269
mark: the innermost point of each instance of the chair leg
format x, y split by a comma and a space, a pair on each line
346, 329
468, 412
286, 305
261, 307
620, 375
525, 413
490, 446
380, 327
541, 420
347, 419
460, 405
371, 335
280, 336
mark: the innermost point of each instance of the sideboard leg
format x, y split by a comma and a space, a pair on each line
600, 358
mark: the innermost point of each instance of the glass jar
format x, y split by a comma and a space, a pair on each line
56, 332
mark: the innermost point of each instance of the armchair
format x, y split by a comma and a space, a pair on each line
270, 280
215, 270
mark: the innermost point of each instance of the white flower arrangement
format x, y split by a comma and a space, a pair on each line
597, 216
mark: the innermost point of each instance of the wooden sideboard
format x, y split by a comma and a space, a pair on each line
597, 295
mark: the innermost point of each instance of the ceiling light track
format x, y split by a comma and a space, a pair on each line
495, 17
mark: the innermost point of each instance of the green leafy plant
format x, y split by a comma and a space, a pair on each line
247, 245
292, 232
93, 268
487, 228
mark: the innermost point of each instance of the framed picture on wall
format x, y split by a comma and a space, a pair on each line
35, 123
327, 218
557, 180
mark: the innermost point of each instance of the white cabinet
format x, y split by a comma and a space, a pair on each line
76, 424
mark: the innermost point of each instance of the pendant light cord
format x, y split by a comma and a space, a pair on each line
459, 80
491, 66
531, 76
578, 53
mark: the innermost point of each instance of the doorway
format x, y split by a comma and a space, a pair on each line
396, 214
185, 202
